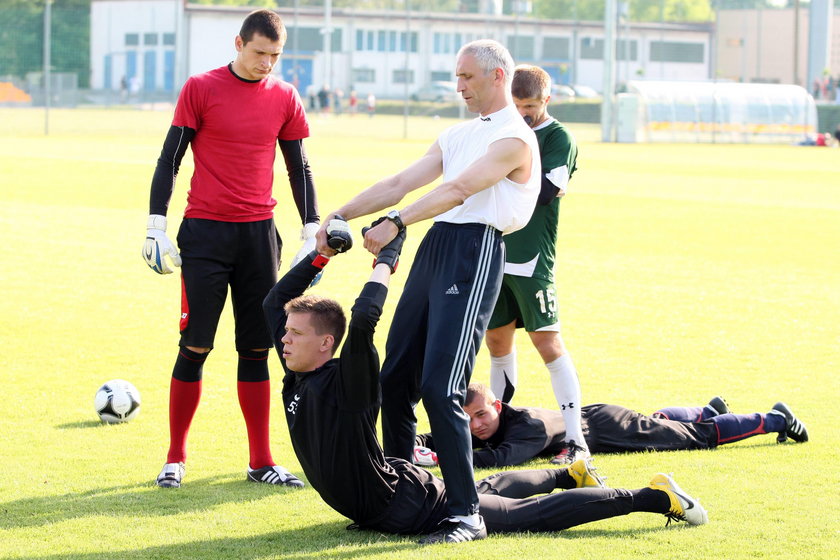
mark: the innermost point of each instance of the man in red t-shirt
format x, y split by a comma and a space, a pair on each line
233, 116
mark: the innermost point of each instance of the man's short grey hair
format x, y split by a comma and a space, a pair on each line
490, 55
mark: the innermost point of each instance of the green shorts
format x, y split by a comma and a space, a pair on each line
531, 302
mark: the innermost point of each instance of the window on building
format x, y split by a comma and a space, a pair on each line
673, 51
392, 41
364, 75
132, 39
443, 76
169, 39
310, 39
621, 49
521, 47
360, 40
382, 38
556, 48
591, 49
371, 41
150, 39
403, 76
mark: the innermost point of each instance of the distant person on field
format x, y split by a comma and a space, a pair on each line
353, 102
371, 104
504, 435
324, 96
332, 400
233, 117
528, 297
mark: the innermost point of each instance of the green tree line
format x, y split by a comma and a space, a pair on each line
22, 38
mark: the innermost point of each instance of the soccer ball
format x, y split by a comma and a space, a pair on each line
117, 401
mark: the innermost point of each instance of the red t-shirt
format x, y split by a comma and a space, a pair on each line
237, 124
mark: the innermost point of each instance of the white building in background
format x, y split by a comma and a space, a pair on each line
157, 44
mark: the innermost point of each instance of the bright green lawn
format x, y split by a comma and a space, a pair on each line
685, 271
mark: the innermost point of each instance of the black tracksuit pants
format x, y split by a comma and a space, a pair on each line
437, 328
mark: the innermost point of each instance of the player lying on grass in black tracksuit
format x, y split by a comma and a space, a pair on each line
331, 408
505, 435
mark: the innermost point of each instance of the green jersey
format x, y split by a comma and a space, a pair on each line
530, 251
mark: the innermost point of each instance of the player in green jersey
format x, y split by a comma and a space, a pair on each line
528, 296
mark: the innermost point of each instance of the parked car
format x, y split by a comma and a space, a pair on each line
560, 91
436, 91
584, 91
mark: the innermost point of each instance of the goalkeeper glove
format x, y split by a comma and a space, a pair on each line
424, 456
390, 253
339, 237
307, 234
158, 245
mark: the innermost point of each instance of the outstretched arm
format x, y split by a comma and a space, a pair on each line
290, 286
508, 157
359, 360
388, 192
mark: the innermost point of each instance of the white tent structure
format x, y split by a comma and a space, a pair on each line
721, 112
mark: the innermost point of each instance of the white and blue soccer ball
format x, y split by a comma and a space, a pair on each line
117, 401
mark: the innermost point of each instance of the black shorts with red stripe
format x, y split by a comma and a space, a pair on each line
242, 255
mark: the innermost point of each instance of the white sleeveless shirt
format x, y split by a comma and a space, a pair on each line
507, 205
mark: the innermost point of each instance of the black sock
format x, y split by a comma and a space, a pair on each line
188, 365
650, 500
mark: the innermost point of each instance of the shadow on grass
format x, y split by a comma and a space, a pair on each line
314, 541
128, 500
329, 540
80, 424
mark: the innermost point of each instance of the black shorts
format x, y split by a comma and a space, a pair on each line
242, 255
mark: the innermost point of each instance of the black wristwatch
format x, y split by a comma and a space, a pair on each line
394, 216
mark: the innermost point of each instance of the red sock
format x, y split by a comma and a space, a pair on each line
183, 402
255, 402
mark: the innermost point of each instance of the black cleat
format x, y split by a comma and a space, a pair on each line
276, 475
571, 453
718, 406
795, 430
452, 531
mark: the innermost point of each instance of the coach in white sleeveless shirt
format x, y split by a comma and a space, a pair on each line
491, 178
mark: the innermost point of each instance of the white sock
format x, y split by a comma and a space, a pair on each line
473, 520
564, 381
503, 372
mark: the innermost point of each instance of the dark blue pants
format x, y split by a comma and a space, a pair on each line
437, 329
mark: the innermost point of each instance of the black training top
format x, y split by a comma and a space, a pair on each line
331, 412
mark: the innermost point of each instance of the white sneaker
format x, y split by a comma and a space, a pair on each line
170, 476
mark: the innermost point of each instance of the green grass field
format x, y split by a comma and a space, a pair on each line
685, 271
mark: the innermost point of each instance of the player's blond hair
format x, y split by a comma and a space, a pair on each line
530, 82
480, 391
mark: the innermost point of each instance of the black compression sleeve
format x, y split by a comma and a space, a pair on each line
548, 191
300, 179
163, 181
